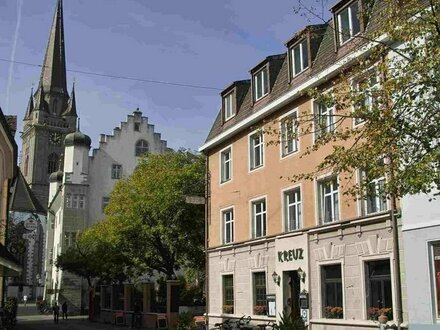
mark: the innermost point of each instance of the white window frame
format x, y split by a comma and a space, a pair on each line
253, 147
264, 74
262, 214
297, 204
224, 163
224, 224
228, 106
284, 142
364, 199
302, 46
329, 114
321, 196
369, 100
350, 35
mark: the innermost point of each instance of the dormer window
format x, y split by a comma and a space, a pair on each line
228, 106
299, 56
348, 22
261, 84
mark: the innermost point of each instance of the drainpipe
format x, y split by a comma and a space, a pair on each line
207, 216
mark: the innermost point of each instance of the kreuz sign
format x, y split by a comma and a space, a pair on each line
290, 255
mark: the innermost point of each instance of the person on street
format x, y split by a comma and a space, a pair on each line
56, 312
64, 310
25, 300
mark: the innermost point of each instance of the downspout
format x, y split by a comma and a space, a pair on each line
207, 217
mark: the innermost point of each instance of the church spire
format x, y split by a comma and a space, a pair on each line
30, 107
71, 104
53, 74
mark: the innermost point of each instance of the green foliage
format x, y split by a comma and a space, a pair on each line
400, 116
288, 323
150, 222
185, 322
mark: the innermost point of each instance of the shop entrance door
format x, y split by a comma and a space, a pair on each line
291, 292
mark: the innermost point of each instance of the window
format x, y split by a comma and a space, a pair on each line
116, 171
228, 226
289, 135
376, 198
259, 280
137, 127
81, 201
105, 201
228, 294
141, 148
379, 296
292, 209
256, 150
324, 119
26, 161
69, 239
328, 200
226, 165
331, 286
68, 201
299, 58
348, 22
436, 277
261, 84
259, 218
52, 165
74, 201
367, 89
228, 106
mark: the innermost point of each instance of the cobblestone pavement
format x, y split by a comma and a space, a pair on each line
28, 318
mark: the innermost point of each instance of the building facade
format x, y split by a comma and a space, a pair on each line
301, 248
421, 238
80, 192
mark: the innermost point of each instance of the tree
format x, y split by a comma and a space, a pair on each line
398, 115
149, 220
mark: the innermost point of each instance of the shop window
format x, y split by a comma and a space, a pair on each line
292, 209
436, 277
256, 150
328, 200
226, 165
289, 134
378, 286
228, 226
259, 218
331, 284
259, 282
228, 294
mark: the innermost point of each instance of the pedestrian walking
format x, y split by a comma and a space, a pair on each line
64, 310
25, 300
56, 312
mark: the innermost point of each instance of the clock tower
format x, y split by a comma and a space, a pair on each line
50, 116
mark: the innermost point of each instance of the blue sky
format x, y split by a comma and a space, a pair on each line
197, 42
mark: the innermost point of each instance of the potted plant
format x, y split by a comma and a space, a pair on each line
228, 309
260, 310
333, 312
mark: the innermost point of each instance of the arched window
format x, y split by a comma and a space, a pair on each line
141, 147
54, 106
52, 164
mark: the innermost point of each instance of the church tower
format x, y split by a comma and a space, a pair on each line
50, 116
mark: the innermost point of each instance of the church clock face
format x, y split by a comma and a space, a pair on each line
55, 138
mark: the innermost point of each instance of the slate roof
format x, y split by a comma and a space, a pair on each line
23, 199
326, 55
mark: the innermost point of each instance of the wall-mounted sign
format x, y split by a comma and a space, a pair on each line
271, 305
290, 255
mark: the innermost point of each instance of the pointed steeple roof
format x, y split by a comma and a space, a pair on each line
30, 107
53, 74
40, 103
71, 104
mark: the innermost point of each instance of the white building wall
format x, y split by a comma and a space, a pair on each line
421, 228
118, 148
